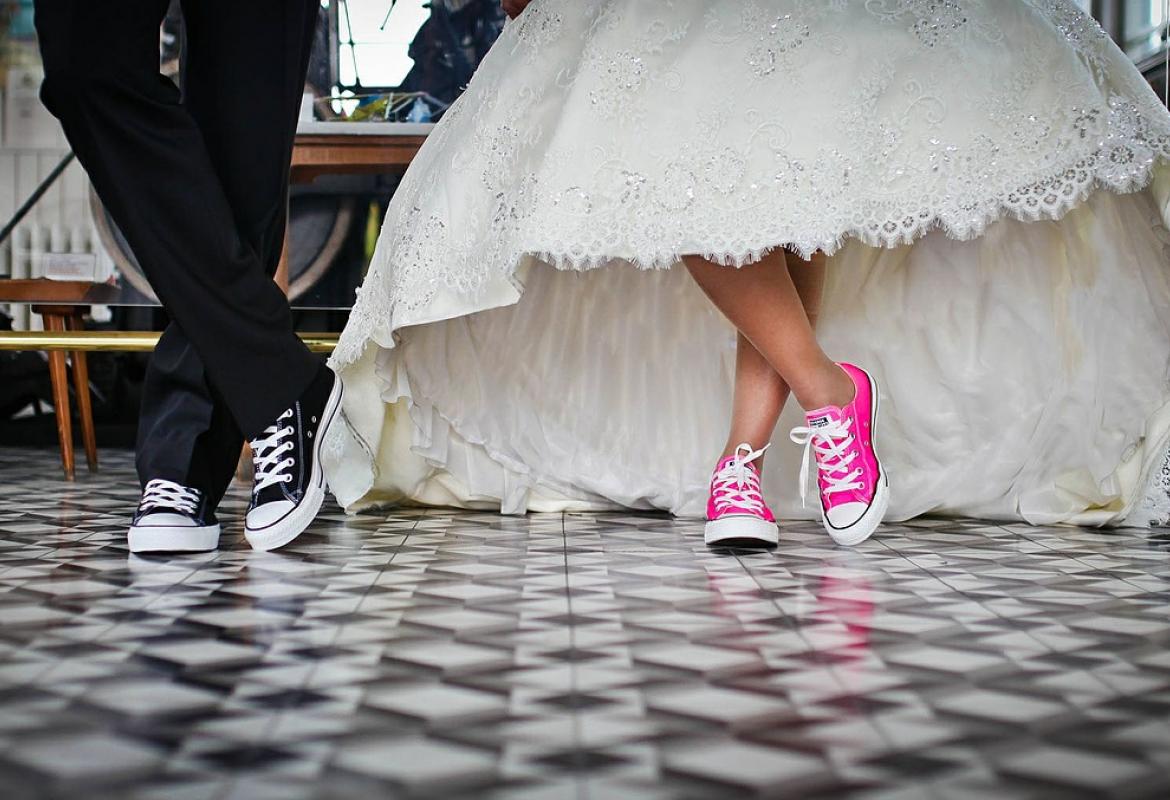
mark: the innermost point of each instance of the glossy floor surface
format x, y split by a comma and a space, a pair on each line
442, 654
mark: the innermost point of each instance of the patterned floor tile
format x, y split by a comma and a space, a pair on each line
441, 654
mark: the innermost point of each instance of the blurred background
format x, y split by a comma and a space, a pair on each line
386, 62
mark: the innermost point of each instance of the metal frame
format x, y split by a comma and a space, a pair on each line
1111, 15
120, 341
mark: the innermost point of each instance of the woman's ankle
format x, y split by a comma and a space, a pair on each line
831, 387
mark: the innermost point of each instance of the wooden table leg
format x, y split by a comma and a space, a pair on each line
244, 465
281, 276
59, 377
84, 401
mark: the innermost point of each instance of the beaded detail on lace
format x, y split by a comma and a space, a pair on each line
638, 132
1153, 507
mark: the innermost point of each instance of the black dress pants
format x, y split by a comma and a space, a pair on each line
198, 182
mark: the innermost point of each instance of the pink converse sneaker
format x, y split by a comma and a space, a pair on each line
853, 486
735, 509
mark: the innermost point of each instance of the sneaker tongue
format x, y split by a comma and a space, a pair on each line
725, 463
270, 493
824, 417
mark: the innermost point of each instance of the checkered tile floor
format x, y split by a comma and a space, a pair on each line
453, 655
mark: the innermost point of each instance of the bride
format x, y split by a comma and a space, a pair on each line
622, 234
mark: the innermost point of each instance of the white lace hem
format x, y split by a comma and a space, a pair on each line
370, 325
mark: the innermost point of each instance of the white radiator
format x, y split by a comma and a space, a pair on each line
59, 224
31, 146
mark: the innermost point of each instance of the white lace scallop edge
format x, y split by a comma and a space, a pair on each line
1151, 508
872, 235
364, 327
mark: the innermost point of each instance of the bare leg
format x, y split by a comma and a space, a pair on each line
760, 392
763, 303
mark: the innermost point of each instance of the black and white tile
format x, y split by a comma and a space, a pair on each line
457, 655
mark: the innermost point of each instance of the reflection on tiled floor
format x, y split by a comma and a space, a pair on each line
460, 655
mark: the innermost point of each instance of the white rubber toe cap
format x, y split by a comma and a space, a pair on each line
163, 519
853, 523
171, 533
846, 515
268, 514
737, 527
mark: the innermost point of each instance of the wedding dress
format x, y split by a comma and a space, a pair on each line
990, 177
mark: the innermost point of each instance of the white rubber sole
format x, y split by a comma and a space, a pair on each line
864, 528
177, 539
741, 528
293, 524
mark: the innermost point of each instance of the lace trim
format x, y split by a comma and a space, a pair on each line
501, 178
375, 310
1153, 507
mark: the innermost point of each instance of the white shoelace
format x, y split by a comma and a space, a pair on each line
737, 485
267, 452
168, 496
832, 447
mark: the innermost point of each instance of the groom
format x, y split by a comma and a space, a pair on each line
197, 181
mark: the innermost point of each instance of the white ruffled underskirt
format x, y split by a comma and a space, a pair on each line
1025, 376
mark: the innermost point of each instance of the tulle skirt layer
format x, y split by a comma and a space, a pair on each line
1024, 375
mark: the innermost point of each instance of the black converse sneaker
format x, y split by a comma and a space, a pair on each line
290, 485
172, 518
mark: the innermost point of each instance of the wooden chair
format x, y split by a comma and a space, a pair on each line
63, 306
